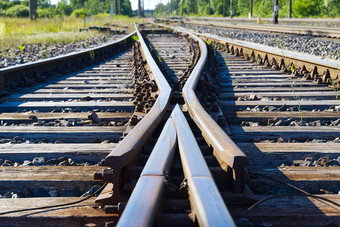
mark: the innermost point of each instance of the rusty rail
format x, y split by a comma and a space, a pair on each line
205, 199
34, 72
127, 150
299, 30
305, 65
228, 154
144, 201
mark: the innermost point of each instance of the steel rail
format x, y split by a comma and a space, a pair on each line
205, 199
144, 201
34, 70
300, 30
127, 150
330, 68
321, 20
226, 151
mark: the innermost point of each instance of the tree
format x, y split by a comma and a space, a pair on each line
94, 7
263, 8
64, 8
77, 4
44, 3
307, 8
332, 8
125, 8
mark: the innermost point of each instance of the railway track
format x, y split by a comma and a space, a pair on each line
155, 169
216, 133
287, 29
286, 124
314, 22
55, 134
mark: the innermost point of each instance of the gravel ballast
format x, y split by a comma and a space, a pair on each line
323, 47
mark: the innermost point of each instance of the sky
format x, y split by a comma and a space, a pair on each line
148, 4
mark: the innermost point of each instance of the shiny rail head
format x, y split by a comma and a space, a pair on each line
207, 203
226, 150
162, 154
129, 147
191, 155
144, 201
205, 199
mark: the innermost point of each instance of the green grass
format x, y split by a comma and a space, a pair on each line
16, 32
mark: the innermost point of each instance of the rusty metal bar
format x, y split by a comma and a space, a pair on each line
226, 151
280, 55
142, 206
127, 150
13, 74
162, 154
205, 199
292, 29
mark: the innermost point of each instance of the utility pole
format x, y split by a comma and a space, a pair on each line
169, 8
223, 8
188, 7
290, 8
196, 7
231, 9
33, 9
118, 7
208, 7
139, 9
251, 8
143, 9
276, 11
214, 7
111, 10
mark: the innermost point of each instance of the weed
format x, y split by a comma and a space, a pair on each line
22, 48
150, 47
135, 37
92, 55
296, 95
160, 59
44, 52
335, 87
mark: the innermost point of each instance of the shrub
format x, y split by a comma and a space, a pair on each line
5, 5
17, 11
77, 12
47, 12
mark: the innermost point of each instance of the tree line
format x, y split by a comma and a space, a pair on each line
76, 7
242, 8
